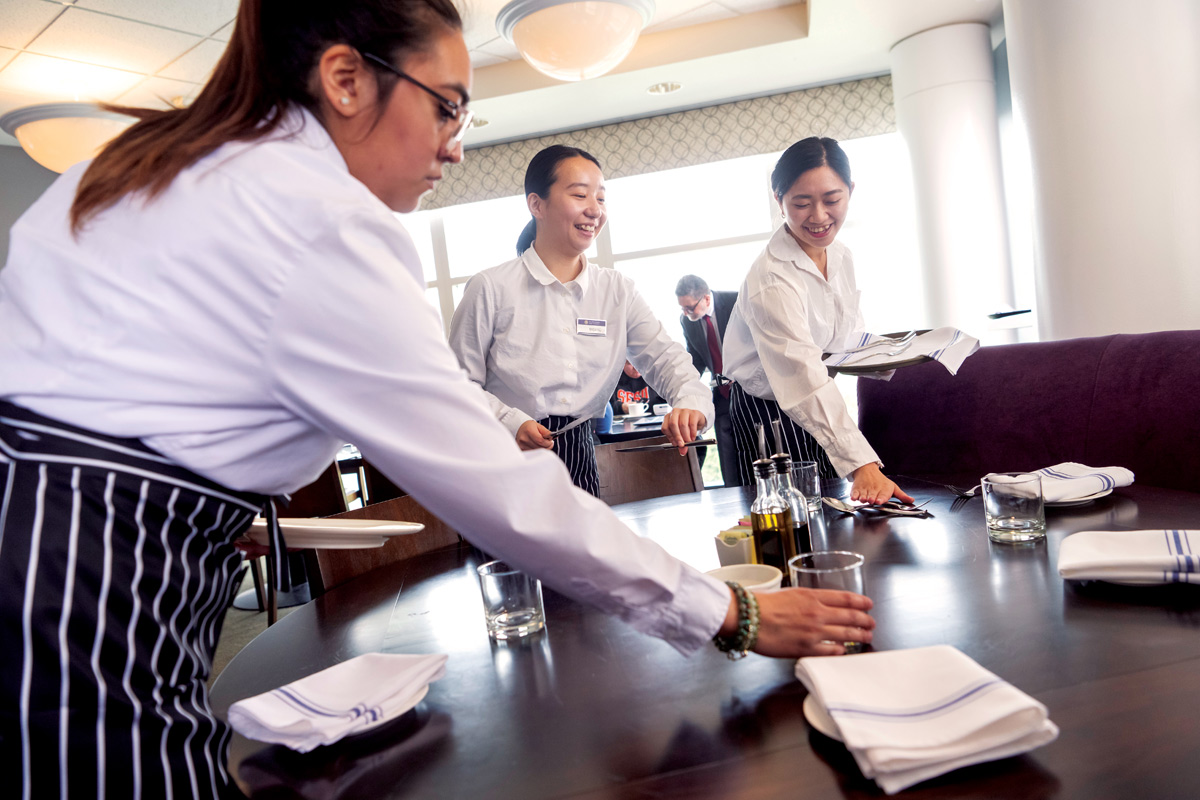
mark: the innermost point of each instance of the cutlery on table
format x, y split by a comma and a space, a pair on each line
961, 492
890, 507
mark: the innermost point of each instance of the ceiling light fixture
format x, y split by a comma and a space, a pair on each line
60, 135
666, 87
573, 40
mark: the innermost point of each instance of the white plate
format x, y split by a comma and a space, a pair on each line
325, 534
402, 709
1078, 501
819, 718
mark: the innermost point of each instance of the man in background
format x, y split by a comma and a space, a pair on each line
705, 315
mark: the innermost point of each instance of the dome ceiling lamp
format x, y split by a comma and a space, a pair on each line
573, 40
60, 135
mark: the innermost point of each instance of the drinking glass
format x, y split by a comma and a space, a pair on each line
830, 569
808, 481
1013, 508
512, 601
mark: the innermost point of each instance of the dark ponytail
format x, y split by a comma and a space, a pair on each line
540, 175
808, 154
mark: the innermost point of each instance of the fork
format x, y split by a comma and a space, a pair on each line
905, 339
961, 492
864, 356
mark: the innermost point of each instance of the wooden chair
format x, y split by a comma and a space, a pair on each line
625, 477
334, 567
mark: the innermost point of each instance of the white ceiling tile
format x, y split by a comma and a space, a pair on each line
225, 34
6, 56
194, 16
159, 93
53, 79
750, 6
111, 42
709, 12
479, 20
668, 9
499, 47
22, 20
196, 64
480, 59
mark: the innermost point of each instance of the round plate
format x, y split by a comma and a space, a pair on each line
328, 534
1079, 501
819, 718
396, 712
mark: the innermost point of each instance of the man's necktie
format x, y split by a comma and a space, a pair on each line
714, 350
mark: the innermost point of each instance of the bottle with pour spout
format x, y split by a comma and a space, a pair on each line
771, 520
795, 499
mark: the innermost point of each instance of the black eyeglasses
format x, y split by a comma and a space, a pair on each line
692, 308
451, 111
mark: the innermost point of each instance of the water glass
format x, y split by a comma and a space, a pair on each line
830, 569
808, 481
1013, 507
512, 601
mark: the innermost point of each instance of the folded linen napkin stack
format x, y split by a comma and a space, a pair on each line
1070, 481
910, 715
344, 699
1169, 556
948, 346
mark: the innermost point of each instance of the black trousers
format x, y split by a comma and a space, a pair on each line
116, 568
577, 449
747, 412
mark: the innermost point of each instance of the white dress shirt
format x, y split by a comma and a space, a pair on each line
266, 308
519, 333
786, 317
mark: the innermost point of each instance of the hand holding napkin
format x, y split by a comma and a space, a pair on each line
338, 701
1169, 556
911, 715
948, 346
1071, 481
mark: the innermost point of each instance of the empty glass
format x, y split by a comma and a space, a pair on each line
808, 481
830, 569
512, 601
1013, 507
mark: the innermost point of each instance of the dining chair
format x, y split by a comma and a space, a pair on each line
640, 475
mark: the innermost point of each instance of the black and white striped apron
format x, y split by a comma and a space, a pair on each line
747, 412
116, 568
577, 449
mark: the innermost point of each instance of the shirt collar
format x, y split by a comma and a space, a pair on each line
785, 248
541, 273
302, 126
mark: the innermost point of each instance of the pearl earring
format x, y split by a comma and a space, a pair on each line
345, 101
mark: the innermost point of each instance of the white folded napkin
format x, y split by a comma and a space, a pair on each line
1071, 481
910, 715
1169, 556
335, 702
948, 346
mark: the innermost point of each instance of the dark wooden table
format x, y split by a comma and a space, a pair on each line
591, 709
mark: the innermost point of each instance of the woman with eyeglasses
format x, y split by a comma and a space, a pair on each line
547, 334
798, 301
197, 321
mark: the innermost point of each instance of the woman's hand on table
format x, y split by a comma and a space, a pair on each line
533, 436
807, 622
872, 486
682, 425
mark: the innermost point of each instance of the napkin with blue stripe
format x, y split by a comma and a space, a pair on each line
344, 699
947, 346
1071, 481
1155, 556
910, 715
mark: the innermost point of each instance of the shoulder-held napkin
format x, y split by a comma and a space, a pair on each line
338, 701
911, 715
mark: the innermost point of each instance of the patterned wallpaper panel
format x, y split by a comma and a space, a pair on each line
716, 133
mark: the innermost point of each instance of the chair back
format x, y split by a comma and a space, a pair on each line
640, 475
335, 567
321, 498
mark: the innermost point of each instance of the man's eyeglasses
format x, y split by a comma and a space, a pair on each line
692, 308
450, 110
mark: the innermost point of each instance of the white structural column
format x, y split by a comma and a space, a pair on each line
945, 93
1109, 95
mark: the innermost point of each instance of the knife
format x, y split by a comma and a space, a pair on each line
574, 424
668, 446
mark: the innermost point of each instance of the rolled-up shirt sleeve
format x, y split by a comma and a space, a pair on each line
365, 359
664, 362
778, 321
471, 340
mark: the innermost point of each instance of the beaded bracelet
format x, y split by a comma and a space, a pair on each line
746, 635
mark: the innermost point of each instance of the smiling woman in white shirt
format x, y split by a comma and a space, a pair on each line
198, 320
547, 334
799, 301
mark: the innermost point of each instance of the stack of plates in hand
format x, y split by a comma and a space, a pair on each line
349, 698
910, 715
1131, 557
332, 534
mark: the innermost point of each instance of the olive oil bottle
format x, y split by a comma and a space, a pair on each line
795, 500
771, 520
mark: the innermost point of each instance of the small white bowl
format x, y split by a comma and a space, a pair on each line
752, 577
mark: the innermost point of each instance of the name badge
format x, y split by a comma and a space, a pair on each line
591, 327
